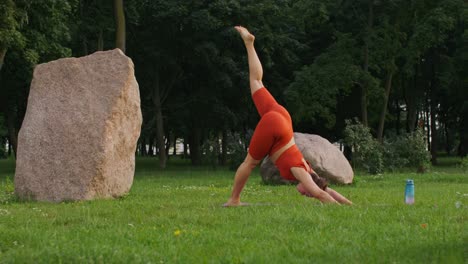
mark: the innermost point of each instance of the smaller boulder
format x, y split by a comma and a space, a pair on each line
325, 158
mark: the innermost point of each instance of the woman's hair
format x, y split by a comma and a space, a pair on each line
322, 183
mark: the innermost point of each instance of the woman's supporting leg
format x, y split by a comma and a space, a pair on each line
255, 66
242, 175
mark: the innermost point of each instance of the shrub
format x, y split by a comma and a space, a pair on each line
395, 153
7, 191
236, 150
392, 153
464, 164
211, 150
367, 152
417, 154
3, 153
408, 150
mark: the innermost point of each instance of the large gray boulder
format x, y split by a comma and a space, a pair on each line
79, 135
325, 158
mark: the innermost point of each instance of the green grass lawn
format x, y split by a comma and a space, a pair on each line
175, 216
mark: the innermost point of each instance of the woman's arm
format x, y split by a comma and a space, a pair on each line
337, 196
310, 187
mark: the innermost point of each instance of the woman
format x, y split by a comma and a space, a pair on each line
273, 136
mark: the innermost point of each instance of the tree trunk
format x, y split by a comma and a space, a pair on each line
433, 106
194, 142
412, 111
84, 40
159, 125
85, 46
119, 25
185, 155
447, 139
2, 57
9, 148
168, 145
12, 132
174, 152
224, 143
398, 119
383, 113
151, 146
433, 134
144, 151
463, 130
365, 87
100, 43
427, 125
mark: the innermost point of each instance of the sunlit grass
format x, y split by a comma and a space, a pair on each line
175, 216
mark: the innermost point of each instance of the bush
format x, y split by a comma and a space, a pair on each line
395, 153
3, 134
211, 150
417, 153
236, 150
367, 152
464, 164
392, 153
7, 191
3, 153
408, 150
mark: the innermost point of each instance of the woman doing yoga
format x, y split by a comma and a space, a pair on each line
273, 136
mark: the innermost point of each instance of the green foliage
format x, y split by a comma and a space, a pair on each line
313, 53
211, 151
312, 96
408, 150
418, 155
11, 20
393, 150
367, 152
3, 153
236, 149
464, 164
7, 191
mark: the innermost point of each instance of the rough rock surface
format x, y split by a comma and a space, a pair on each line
325, 158
79, 135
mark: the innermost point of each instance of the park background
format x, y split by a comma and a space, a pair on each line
386, 81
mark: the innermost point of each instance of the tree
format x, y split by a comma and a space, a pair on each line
119, 25
41, 38
428, 45
13, 17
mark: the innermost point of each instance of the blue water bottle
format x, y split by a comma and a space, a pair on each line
409, 192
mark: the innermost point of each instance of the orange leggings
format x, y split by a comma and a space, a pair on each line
273, 131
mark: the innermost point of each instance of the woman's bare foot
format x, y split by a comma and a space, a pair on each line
245, 34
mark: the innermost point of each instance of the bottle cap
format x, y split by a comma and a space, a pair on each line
409, 181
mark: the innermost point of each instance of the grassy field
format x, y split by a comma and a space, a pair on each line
175, 216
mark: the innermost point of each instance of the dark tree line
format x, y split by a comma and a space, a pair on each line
395, 65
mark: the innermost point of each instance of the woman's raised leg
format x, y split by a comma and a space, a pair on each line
255, 66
